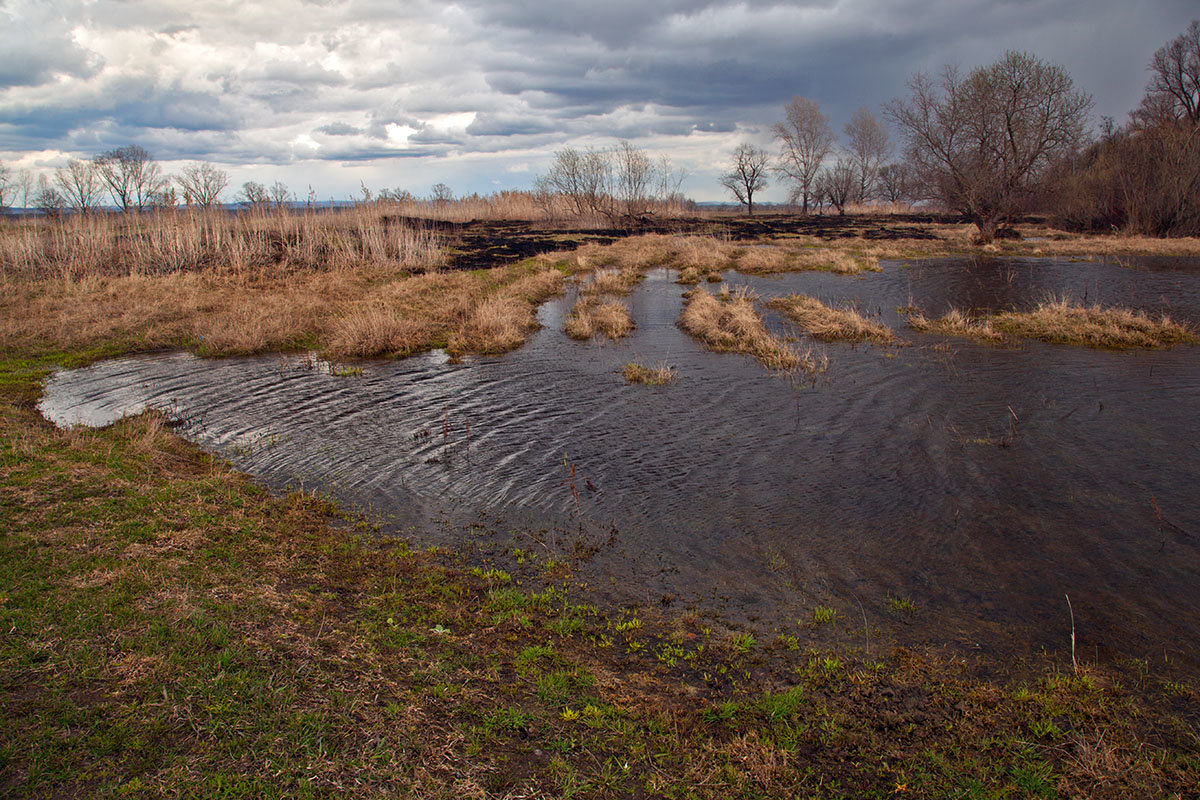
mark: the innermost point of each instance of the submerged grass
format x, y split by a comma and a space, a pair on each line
1062, 321
831, 324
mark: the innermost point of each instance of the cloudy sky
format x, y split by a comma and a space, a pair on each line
479, 93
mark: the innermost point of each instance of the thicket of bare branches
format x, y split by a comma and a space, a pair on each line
622, 184
1143, 177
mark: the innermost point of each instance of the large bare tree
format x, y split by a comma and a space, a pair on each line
202, 183
805, 140
747, 174
132, 176
1175, 77
80, 185
868, 148
981, 143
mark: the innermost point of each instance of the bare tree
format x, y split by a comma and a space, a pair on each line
8, 187
79, 184
747, 174
202, 183
580, 176
253, 195
279, 194
132, 176
981, 144
838, 183
47, 199
805, 142
24, 182
896, 183
441, 194
1175, 77
868, 147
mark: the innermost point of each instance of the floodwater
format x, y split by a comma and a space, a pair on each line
984, 483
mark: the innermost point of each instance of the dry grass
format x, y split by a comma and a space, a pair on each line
831, 324
659, 375
1063, 322
731, 323
613, 282
84, 246
772, 259
350, 313
954, 323
592, 317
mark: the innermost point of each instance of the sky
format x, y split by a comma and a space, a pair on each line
478, 94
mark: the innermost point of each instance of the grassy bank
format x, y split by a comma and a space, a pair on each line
171, 629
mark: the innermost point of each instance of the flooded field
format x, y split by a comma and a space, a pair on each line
979, 484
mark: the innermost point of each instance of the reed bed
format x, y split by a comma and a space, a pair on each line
728, 322
831, 324
82, 246
1062, 321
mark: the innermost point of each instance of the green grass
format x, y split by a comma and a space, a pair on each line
171, 629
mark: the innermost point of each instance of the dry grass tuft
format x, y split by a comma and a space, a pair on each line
954, 323
591, 317
612, 282
1062, 322
831, 324
731, 323
659, 375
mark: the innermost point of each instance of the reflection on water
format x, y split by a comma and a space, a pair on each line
984, 483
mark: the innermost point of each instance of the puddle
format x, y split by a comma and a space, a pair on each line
982, 483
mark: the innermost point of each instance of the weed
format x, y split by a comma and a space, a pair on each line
900, 604
824, 615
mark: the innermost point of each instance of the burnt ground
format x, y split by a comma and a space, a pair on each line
480, 244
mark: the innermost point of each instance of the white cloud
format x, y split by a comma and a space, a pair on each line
335, 92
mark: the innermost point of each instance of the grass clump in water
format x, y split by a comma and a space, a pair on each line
954, 323
660, 375
729, 323
593, 317
1062, 322
831, 324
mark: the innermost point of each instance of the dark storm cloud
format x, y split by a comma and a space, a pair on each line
373, 80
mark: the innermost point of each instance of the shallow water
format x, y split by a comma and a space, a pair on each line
984, 483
